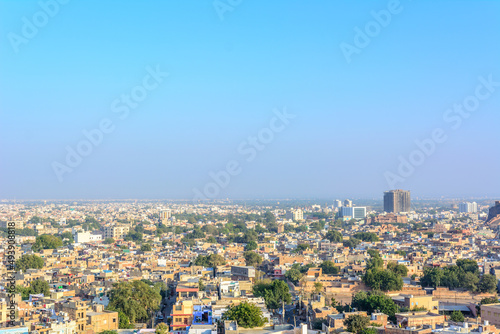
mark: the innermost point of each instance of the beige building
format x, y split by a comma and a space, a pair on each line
418, 302
116, 231
491, 313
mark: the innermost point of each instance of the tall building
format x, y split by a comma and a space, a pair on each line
356, 212
397, 201
297, 214
165, 215
467, 207
337, 204
348, 203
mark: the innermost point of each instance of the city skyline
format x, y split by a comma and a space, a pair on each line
260, 101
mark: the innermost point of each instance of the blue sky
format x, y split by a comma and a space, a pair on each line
353, 120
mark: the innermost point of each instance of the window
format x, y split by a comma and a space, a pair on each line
114, 319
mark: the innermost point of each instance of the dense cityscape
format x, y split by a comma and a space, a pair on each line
249, 167
391, 266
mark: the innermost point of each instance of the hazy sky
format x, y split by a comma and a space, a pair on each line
361, 92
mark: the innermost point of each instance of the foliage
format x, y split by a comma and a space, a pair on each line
146, 248
356, 323
274, 293
457, 316
465, 274
367, 236
385, 280
124, 321
334, 236
374, 300
109, 241
247, 315
488, 283
301, 248
318, 287
252, 258
399, 269
161, 328
36, 287
251, 245
211, 240
293, 275
369, 330
329, 268
136, 299
351, 243
209, 261
29, 262
46, 241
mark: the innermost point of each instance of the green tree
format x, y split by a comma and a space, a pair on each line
136, 299
146, 248
211, 240
356, 323
318, 287
40, 286
124, 321
67, 238
457, 316
274, 293
369, 330
28, 261
46, 241
108, 332
375, 300
384, 280
488, 283
109, 241
209, 261
334, 236
329, 268
399, 269
252, 258
367, 236
301, 247
293, 275
161, 328
468, 265
251, 245
351, 243
247, 315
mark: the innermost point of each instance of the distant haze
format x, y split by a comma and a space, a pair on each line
211, 93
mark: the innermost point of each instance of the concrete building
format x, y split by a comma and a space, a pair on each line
116, 231
397, 201
467, 207
356, 212
84, 237
243, 273
491, 313
297, 214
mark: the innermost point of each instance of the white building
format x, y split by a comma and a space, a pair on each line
297, 214
356, 212
84, 237
467, 207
